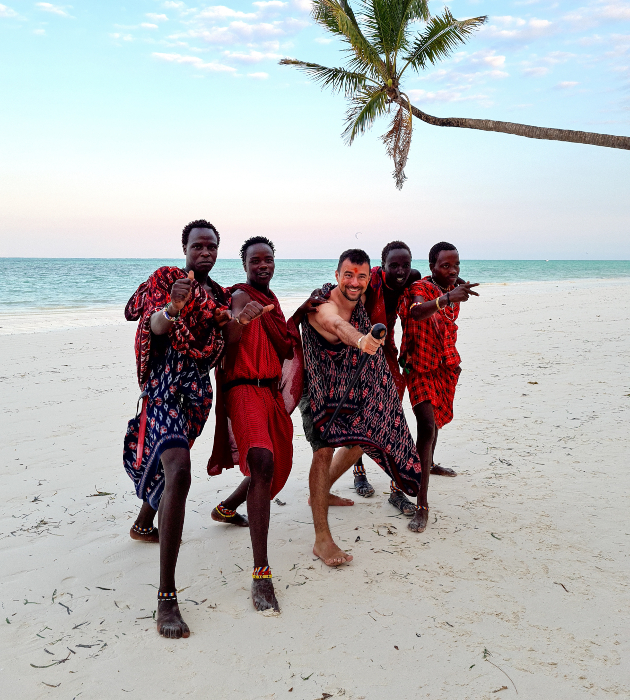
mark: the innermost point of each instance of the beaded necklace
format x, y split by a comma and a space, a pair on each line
447, 307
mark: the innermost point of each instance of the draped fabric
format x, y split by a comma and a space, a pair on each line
375, 307
194, 334
427, 344
174, 374
372, 417
249, 416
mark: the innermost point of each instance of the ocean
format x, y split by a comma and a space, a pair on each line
37, 284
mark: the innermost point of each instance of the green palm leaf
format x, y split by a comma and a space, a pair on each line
442, 35
366, 107
331, 13
337, 79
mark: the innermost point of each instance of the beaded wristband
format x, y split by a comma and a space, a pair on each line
225, 512
261, 572
170, 318
415, 303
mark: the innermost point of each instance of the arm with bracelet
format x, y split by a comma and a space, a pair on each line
421, 309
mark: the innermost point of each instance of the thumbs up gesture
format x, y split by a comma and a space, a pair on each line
181, 291
252, 311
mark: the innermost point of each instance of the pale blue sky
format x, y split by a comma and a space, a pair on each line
120, 122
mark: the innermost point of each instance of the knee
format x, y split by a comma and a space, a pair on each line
260, 463
426, 428
178, 475
322, 459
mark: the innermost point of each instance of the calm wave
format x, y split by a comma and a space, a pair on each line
40, 283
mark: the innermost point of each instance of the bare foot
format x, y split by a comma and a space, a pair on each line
330, 554
336, 500
238, 519
169, 620
419, 521
151, 536
442, 471
264, 597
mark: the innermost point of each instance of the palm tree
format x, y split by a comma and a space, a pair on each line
382, 44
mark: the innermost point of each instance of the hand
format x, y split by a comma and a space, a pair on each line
463, 292
181, 291
310, 305
222, 315
370, 344
252, 311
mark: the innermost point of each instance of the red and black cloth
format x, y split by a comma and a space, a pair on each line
174, 374
372, 416
428, 352
375, 307
250, 416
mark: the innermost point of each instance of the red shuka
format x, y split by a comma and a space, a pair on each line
249, 416
375, 306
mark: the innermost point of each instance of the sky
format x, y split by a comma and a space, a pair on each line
122, 121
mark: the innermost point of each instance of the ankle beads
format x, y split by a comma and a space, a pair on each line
358, 470
167, 596
225, 512
142, 530
261, 572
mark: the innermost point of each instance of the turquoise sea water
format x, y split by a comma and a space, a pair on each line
40, 283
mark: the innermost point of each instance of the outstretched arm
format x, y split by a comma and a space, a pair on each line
329, 320
423, 309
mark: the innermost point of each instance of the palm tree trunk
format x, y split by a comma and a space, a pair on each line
531, 132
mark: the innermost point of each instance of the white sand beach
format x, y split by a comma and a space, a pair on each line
526, 556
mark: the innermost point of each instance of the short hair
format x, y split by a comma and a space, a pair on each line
354, 255
200, 223
252, 241
394, 245
437, 249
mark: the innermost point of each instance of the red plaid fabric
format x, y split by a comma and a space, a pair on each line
428, 344
438, 387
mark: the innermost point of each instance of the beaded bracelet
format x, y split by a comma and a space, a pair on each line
261, 572
170, 318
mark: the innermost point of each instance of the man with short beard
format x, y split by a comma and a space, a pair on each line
334, 338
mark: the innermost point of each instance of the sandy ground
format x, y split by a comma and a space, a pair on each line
520, 582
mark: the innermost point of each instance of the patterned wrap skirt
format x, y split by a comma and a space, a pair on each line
177, 399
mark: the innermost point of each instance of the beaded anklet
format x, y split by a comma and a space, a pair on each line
225, 512
261, 572
142, 530
358, 470
168, 596
393, 487
423, 508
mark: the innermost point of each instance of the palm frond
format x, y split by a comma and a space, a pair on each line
442, 35
366, 107
337, 79
398, 142
332, 15
386, 21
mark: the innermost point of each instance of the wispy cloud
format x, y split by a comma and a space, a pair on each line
7, 12
566, 85
156, 18
251, 57
53, 9
194, 61
258, 76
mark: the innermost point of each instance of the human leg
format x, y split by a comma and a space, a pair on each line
319, 484
260, 461
176, 463
342, 460
225, 512
426, 435
143, 530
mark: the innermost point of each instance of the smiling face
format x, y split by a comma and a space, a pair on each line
201, 250
397, 268
260, 264
353, 279
445, 270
